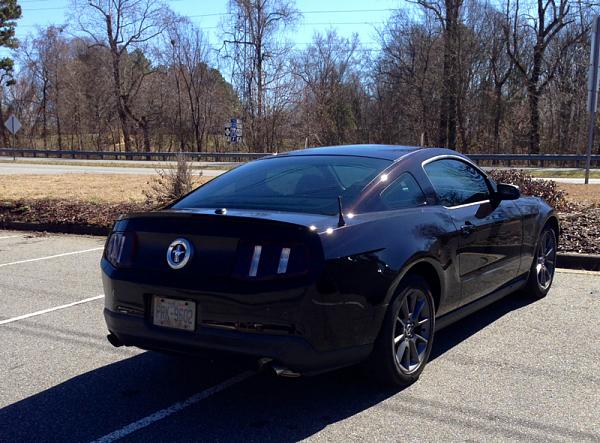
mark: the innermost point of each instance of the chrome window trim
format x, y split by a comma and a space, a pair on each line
465, 205
464, 160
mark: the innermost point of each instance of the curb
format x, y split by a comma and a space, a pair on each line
57, 228
572, 260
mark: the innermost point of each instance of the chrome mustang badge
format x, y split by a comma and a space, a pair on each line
179, 253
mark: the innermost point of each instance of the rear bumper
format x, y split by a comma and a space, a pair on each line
293, 352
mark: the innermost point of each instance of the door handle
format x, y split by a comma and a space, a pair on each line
467, 228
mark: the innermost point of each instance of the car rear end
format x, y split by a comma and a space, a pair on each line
249, 286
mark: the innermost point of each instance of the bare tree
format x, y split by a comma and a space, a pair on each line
253, 34
530, 29
327, 69
448, 13
122, 26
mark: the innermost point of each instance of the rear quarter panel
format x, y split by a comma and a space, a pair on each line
365, 260
535, 212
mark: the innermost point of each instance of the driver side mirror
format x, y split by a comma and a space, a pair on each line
507, 192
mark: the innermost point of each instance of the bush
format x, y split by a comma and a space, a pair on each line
546, 189
170, 184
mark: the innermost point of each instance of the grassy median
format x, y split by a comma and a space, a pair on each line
93, 201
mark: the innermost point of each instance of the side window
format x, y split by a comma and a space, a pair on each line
404, 192
456, 182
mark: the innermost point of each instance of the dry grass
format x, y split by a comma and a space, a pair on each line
118, 188
585, 194
95, 188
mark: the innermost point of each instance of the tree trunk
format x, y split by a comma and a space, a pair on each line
116, 65
534, 120
497, 118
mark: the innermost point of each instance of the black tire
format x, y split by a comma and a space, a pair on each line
383, 365
541, 273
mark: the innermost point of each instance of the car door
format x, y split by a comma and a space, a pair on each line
489, 248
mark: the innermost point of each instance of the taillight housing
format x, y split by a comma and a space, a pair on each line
119, 249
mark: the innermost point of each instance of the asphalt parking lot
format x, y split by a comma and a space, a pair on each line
514, 371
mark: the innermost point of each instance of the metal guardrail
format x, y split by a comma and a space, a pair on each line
112, 155
542, 159
506, 159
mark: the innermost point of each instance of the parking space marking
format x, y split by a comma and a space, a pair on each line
10, 236
176, 407
45, 311
49, 257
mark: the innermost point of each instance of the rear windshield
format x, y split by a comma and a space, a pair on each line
309, 184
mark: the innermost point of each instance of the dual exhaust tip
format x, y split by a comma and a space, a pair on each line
263, 363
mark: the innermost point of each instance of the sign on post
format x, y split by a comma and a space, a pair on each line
592, 102
13, 124
233, 131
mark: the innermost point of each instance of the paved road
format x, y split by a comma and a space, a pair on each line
92, 167
7, 168
515, 371
132, 163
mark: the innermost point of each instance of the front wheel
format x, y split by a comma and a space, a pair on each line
404, 343
542, 269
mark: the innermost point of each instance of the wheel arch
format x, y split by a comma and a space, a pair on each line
426, 267
552, 221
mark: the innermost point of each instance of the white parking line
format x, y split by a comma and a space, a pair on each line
10, 236
49, 257
45, 311
179, 406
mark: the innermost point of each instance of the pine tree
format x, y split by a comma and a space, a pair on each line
9, 12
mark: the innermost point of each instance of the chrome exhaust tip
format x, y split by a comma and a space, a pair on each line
282, 371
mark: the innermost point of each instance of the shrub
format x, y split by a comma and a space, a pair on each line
546, 189
170, 184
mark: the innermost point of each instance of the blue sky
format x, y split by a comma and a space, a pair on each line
347, 16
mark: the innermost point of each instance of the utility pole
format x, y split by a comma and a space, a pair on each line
592, 103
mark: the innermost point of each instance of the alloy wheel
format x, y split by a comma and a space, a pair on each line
546, 260
412, 331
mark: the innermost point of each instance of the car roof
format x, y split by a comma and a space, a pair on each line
387, 152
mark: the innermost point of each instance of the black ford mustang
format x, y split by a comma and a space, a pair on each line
326, 257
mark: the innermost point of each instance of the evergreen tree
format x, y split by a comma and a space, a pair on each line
9, 12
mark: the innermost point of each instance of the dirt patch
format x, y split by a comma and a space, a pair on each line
588, 195
85, 188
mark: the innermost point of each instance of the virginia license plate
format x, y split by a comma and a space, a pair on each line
176, 314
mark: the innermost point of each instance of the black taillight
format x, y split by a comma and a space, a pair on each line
120, 249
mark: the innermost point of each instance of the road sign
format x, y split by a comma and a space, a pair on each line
233, 130
13, 124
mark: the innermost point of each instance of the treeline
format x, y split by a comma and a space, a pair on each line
468, 74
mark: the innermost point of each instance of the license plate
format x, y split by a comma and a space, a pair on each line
176, 314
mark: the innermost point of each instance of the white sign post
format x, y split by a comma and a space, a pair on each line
13, 125
592, 103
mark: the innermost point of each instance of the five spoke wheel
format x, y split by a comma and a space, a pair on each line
412, 331
546, 259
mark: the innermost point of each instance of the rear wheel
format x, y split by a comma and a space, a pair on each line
404, 343
542, 270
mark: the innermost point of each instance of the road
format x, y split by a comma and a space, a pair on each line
43, 166
515, 371
9, 168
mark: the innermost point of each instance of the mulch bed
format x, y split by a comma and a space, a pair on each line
580, 225
580, 230
64, 215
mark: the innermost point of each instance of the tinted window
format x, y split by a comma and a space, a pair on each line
457, 182
297, 184
405, 192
